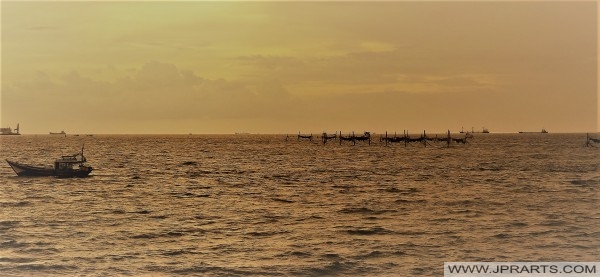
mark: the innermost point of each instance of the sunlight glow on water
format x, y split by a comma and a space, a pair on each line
258, 205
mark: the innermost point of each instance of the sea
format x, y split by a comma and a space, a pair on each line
261, 205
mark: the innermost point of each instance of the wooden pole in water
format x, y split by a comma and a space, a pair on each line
449, 139
405, 138
386, 139
424, 139
587, 139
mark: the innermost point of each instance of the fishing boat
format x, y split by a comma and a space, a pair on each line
8, 131
64, 167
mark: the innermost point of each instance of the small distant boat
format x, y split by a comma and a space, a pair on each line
8, 131
484, 131
542, 132
61, 133
64, 167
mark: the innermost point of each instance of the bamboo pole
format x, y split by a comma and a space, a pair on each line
386, 139
587, 139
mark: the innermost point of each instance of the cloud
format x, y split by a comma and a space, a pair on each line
159, 91
362, 72
301, 63
270, 62
377, 46
156, 90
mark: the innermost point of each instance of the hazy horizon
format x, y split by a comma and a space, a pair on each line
285, 67
293, 135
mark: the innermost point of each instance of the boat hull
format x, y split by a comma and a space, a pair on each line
34, 171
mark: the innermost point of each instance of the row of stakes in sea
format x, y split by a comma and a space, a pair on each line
387, 138
406, 138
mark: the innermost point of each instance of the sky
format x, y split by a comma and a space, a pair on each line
151, 67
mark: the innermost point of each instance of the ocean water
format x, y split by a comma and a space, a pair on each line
257, 205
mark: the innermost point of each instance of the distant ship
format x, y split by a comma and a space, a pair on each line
8, 131
61, 133
484, 131
542, 132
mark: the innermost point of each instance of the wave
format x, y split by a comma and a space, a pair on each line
9, 224
19, 260
363, 210
265, 233
518, 224
553, 223
585, 182
211, 269
13, 244
168, 234
502, 236
146, 236
373, 254
294, 254
332, 268
45, 267
170, 253
369, 231
281, 200
188, 195
15, 204
408, 201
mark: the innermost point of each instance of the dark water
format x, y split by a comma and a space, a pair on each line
258, 205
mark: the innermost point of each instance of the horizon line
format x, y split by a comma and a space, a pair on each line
296, 133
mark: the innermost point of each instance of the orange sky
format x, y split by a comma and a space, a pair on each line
284, 67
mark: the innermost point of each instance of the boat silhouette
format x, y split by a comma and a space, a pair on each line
8, 131
64, 167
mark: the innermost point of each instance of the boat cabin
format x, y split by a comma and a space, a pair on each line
66, 163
